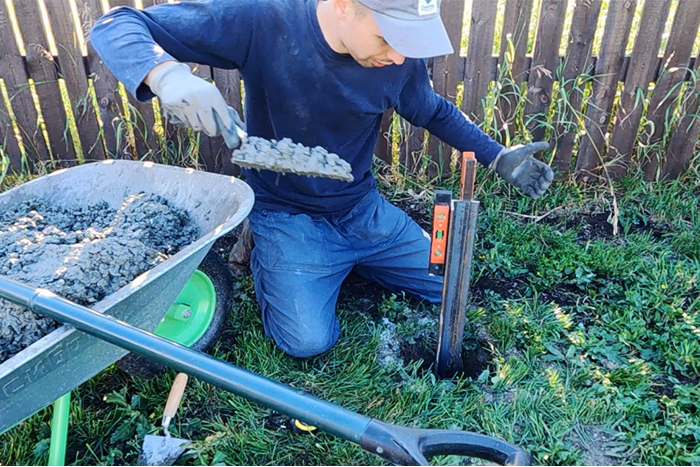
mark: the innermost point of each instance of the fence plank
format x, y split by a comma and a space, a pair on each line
14, 75
577, 62
106, 87
177, 139
607, 71
229, 83
72, 69
8, 143
384, 141
42, 68
205, 142
516, 27
10, 65
142, 123
410, 145
477, 70
545, 61
516, 24
681, 148
642, 67
674, 68
445, 82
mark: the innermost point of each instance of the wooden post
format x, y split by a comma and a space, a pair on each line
106, 86
384, 142
445, 79
411, 145
682, 145
13, 74
208, 156
142, 117
229, 83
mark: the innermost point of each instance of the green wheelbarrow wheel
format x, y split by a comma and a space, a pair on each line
196, 319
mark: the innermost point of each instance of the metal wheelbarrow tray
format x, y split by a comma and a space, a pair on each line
65, 358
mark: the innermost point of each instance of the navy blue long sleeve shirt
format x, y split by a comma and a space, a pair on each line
296, 86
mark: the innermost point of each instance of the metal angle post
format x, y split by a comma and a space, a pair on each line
458, 266
455, 294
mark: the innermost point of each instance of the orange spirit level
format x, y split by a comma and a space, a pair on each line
441, 223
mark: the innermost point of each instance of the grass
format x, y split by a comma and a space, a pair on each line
592, 340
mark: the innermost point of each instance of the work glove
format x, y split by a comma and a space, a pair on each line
189, 101
517, 166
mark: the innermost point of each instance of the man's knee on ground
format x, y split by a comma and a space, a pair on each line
304, 346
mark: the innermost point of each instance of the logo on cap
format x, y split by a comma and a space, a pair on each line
427, 7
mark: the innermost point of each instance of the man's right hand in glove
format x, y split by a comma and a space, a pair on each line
187, 100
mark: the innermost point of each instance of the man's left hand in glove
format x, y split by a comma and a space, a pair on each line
517, 166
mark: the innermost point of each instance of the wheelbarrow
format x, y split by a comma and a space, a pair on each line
91, 339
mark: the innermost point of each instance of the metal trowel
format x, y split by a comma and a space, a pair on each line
165, 450
282, 156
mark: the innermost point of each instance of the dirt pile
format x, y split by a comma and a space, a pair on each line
82, 254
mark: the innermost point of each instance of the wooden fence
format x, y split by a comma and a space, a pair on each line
606, 112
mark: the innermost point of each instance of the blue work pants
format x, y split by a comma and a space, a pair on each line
299, 263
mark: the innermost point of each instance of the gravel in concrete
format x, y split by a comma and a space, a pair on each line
82, 254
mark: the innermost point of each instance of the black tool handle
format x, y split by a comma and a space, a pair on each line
411, 446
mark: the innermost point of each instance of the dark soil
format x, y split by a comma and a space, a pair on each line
415, 352
667, 387
563, 295
224, 244
595, 226
417, 210
507, 288
363, 295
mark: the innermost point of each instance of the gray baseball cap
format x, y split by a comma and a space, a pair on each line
411, 27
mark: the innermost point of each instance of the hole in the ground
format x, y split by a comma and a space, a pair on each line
474, 360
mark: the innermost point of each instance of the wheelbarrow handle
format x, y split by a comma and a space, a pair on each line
412, 446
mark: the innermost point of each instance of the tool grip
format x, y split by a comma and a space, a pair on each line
175, 396
411, 446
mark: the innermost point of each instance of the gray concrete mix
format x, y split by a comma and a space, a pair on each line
82, 254
285, 156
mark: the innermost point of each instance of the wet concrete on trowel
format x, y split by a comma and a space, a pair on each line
82, 254
285, 156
